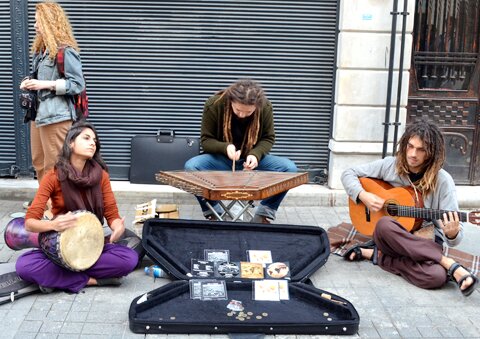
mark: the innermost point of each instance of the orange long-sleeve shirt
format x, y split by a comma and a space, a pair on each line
50, 188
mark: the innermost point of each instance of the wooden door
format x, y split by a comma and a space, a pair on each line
444, 80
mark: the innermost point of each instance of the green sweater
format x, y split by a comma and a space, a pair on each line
212, 129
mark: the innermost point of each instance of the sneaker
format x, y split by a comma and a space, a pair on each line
260, 219
46, 290
211, 217
27, 204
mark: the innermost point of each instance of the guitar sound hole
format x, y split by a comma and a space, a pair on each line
392, 209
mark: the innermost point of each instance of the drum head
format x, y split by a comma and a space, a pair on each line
81, 246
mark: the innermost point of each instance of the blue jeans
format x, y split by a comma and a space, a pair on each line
219, 162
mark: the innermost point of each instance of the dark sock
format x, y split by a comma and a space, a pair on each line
109, 281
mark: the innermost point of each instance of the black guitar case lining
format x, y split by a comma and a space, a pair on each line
173, 243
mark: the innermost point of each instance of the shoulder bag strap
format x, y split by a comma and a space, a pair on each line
61, 61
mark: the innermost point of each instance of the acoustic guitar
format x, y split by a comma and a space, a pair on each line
400, 205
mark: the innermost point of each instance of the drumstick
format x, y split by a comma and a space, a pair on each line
233, 165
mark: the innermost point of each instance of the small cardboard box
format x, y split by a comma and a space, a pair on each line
151, 210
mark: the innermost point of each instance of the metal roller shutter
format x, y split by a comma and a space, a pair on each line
152, 64
7, 122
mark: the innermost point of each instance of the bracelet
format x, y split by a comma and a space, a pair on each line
53, 87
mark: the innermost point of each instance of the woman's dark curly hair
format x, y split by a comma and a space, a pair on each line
72, 134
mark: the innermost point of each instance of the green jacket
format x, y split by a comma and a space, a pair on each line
212, 129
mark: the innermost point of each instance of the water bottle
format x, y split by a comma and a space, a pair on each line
155, 271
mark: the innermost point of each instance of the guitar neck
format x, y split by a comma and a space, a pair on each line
426, 213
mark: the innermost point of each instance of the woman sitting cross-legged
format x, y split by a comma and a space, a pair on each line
79, 181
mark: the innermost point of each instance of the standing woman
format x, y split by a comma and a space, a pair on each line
79, 181
237, 126
55, 112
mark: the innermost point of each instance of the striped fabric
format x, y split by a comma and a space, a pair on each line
344, 236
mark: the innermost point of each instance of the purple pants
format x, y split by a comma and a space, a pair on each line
115, 261
415, 259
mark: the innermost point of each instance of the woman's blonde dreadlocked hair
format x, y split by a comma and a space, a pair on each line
56, 29
246, 92
434, 145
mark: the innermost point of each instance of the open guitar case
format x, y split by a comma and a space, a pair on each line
172, 243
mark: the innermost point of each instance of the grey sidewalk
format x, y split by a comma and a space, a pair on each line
388, 306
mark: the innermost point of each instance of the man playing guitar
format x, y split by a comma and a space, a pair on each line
418, 164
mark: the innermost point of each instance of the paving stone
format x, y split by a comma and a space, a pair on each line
94, 336
408, 332
77, 316
104, 328
113, 317
440, 316
449, 332
21, 335
30, 326
57, 315
51, 327
81, 306
70, 327
13, 320
22, 304
36, 315
469, 331
387, 331
127, 334
68, 336
368, 332
429, 332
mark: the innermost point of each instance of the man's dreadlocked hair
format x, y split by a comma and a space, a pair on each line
434, 145
246, 92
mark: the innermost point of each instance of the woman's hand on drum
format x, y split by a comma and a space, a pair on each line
62, 222
118, 228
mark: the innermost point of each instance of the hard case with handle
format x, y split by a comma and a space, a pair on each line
162, 152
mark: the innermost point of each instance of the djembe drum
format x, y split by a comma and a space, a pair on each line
77, 248
17, 237
239, 185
